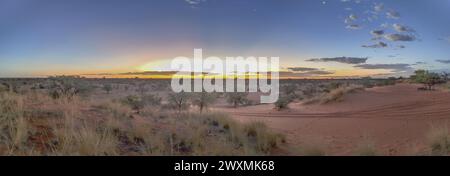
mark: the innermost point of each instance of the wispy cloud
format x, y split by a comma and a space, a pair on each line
194, 2
377, 33
377, 45
346, 60
393, 67
378, 7
392, 14
314, 73
402, 28
400, 37
419, 63
443, 61
301, 69
353, 26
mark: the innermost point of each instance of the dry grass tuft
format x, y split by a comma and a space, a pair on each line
36, 124
439, 140
334, 95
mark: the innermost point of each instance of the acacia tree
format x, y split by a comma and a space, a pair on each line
429, 79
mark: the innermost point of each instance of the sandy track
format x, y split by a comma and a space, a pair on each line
395, 118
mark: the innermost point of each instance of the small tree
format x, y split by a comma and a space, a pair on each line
429, 79
107, 88
203, 100
432, 79
237, 98
179, 101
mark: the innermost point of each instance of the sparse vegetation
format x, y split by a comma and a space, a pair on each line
68, 87
282, 102
439, 140
179, 101
366, 148
114, 131
203, 100
107, 88
237, 98
334, 95
429, 79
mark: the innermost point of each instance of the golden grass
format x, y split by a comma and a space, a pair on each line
334, 95
439, 140
35, 124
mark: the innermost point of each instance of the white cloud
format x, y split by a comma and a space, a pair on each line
393, 67
353, 17
353, 27
393, 14
194, 2
379, 7
377, 45
402, 28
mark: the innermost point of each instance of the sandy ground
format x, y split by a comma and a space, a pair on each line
396, 119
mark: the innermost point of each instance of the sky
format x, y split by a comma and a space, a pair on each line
313, 38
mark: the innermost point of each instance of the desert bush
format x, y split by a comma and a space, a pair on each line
337, 94
310, 91
260, 137
142, 89
3, 88
439, 140
290, 90
334, 95
151, 100
332, 86
237, 98
68, 87
107, 88
135, 102
282, 102
179, 101
11, 86
368, 82
203, 100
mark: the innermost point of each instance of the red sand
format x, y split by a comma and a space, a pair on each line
395, 118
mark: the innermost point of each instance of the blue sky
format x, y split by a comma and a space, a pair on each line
48, 37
